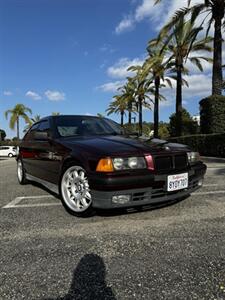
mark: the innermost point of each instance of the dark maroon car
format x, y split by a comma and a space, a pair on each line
92, 163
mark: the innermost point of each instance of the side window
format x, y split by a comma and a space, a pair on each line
30, 134
44, 126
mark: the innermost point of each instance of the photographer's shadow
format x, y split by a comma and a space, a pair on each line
89, 281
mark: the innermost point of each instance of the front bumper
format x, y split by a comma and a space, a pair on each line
153, 193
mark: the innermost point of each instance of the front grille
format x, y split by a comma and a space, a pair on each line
180, 161
163, 163
171, 162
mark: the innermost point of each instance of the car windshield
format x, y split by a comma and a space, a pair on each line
86, 126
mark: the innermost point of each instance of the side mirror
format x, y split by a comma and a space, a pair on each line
41, 136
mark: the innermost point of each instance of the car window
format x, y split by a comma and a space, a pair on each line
86, 126
44, 126
30, 133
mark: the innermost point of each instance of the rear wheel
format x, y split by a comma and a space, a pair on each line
10, 155
75, 192
21, 174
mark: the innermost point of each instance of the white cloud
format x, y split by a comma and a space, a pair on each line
33, 95
146, 10
158, 14
199, 87
7, 93
126, 24
54, 95
119, 69
111, 86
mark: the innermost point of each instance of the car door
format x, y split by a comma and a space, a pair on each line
1, 151
5, 151
27, 151
46, 163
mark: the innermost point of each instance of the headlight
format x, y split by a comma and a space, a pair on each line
129, 163
193, 157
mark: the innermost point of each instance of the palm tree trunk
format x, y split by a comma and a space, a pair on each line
217, 78
18, 127
140, 114
121, 120
179, 101
129, 111
156, 107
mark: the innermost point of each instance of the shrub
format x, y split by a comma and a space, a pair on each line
189, 126
212, 112
205, 144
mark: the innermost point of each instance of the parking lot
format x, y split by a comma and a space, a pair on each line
171, 252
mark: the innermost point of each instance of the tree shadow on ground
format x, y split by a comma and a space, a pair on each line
89, 281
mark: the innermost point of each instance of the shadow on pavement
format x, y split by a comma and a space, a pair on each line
220, 171
89, 281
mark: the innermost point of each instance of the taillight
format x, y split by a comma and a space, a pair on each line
150, 162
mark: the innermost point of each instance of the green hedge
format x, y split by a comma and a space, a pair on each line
9, 143
212, 112
206, 144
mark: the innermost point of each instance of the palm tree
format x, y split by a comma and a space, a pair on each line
157, 64
142, 86
32, 121
128, 93
214, 10
119, 105
183, 45
18, 111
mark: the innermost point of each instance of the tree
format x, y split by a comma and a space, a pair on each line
119, 105
128, 93
182, 41
32, 121
157, 64
55, 113
2, 135
189, 126
19, 111
142, 87
215, 11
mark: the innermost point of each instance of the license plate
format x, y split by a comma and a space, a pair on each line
177, 182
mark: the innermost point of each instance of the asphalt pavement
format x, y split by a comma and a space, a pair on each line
171, 252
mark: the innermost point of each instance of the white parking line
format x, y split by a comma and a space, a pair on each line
15, 203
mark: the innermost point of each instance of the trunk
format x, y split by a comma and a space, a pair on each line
129, 117
217, 78
121, 120
179, 101
140, 114
129, 111
18, 128
156, 107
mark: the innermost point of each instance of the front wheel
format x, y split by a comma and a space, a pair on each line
10, 155
75, 192
21, 174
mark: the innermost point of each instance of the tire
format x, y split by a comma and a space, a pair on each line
21, 174
75, 192
10, 155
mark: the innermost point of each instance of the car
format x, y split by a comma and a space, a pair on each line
9, 151
92, 162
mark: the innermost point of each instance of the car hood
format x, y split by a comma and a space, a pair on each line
120, 145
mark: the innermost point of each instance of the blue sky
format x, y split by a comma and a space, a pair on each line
69, 56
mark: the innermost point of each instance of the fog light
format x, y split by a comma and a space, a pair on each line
121, 199
200, 183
